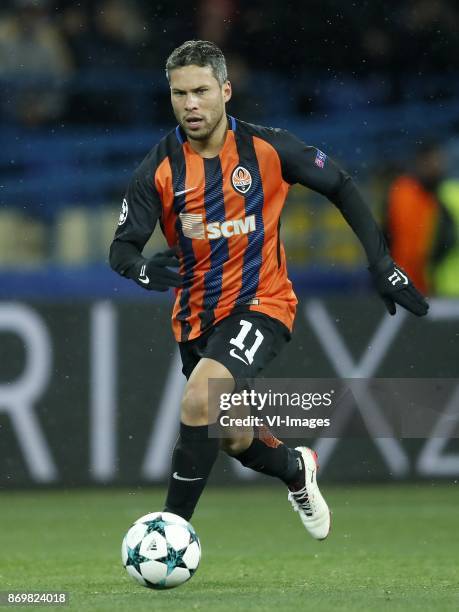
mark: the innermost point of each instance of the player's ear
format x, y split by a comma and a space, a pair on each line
227, 91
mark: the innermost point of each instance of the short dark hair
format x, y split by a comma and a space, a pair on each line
198, 53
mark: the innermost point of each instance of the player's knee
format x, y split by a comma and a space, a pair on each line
237, 445
195, 410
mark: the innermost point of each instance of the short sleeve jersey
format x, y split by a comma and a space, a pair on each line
223, 214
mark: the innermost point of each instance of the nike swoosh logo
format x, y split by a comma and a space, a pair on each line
143, 278
177, 477
234, 354
179, 193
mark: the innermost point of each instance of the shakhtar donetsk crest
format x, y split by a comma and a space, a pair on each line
241, 179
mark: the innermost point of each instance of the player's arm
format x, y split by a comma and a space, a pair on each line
140, 212
312, 168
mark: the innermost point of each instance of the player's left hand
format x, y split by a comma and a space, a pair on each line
395, 287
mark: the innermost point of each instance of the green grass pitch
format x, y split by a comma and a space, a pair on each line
391, 548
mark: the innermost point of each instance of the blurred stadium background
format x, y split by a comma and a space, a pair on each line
89, 375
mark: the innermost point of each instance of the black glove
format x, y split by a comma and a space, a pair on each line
394, 287
154, 275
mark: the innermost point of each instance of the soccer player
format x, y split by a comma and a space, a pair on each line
217, 185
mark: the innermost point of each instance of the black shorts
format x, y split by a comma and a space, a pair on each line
244, 343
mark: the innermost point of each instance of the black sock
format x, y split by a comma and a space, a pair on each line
270, 456
193, 457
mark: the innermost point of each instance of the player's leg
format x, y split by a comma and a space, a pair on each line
195, 452
264, 453
245, 344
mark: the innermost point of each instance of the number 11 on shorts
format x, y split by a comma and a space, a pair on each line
238, 341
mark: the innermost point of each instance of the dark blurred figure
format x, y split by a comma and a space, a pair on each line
75, 24
428, 36
35, 60
120, 32
105, 36
420, 228
215, 19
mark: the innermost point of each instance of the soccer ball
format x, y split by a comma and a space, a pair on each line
161, 550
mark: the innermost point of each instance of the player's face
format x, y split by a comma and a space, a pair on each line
198, 100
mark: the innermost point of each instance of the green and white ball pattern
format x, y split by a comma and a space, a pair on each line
161, 550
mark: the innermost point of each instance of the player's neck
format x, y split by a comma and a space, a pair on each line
214, 144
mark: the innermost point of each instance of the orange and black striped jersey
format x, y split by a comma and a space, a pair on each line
223, 214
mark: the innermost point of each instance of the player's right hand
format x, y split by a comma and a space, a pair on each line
154, 274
